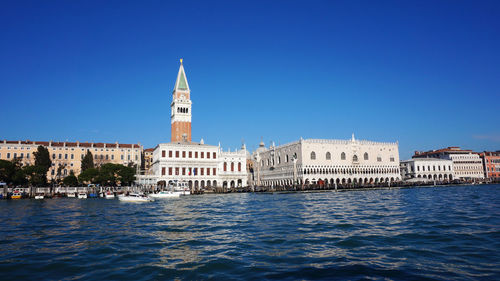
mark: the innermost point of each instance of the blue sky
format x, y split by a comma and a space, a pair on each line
424, 73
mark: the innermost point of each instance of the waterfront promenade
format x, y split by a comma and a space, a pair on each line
435, 233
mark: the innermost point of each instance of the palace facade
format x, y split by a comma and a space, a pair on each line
326, 163
67, 156
201, 165
423, 169
467, 165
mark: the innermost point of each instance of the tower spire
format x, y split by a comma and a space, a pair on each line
181, 83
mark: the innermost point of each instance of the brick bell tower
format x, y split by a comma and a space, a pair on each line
181, 109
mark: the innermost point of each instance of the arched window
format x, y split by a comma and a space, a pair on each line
365, 156
355, 158
232, 166
279, 160
342, 156
239, 167
225, 166
328, 156
313, 155
286, 158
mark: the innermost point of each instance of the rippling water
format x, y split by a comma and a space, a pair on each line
420, 233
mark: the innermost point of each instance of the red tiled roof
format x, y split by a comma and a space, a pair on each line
74, 144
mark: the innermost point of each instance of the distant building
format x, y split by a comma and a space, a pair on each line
467, 165
67, 156
325, 162
148, 161
491, 164
427, 169
202, 166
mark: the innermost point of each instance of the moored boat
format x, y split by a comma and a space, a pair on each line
109, 195
165, 194
135, 197
16, 194
39, 196
82, 195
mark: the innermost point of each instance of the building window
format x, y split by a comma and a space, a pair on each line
190, 154
213, 155
201, 170
8, 155
107, 157
72, 156
176, 154
184, 154
214, 171
286, 158
342, 156
225, 166
391, 159
183, 171
60, 156
328, 156
313, 155
170, 153
202, 154
379, 159
355, 158
163, 171
239, 167
208, 170
208, 155
177, 171
196, 154
365, 156
163, 153
194, 171
232, 166
54, 156
128, 157
121, 156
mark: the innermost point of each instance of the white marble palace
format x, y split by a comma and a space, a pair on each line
327, 163
202, 166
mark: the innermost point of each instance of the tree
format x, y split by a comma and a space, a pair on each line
126, 175
89, 175
87, 161
7, 171
42, 158
37, 175
70, 180
108, 174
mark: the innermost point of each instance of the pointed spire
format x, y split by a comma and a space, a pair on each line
352, 137
181, 83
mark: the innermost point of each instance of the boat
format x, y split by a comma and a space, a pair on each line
165, 194
93, 195
72, 194
16, 194
82, 195
135, 197
179, 187
39, 196
109, 195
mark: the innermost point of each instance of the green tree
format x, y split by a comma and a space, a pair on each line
126, 175
89, 176
70, 180
42, 158
37, 175
87, 161
108, 174
7, 171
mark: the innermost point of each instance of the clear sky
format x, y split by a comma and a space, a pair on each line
424, 73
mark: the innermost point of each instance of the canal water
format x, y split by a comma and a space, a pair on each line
432, 233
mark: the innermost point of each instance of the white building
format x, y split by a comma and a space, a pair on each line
467, 165
327, 163
202, 166
427, 169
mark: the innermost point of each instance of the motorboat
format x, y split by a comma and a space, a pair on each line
82, 195
72, 194
179, 187
16, 194
135, 197
109, 195
39, 196
165, 194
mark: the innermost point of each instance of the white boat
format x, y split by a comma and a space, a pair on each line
165, 194
39, 196
109, 195
134, 197
72, 195
82, 195
179, 187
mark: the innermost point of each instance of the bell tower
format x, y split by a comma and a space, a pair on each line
181, 109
